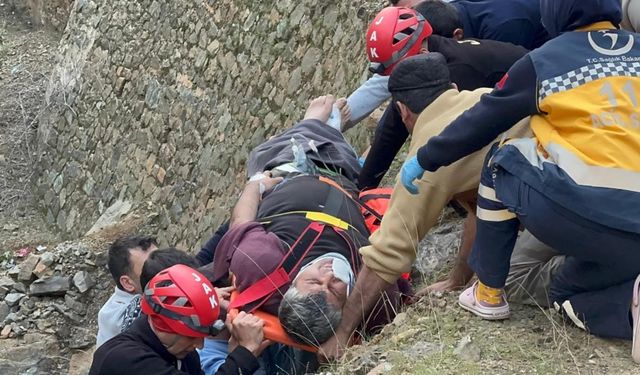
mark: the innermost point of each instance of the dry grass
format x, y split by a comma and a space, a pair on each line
533, 341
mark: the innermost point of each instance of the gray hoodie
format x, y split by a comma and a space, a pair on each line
366, 99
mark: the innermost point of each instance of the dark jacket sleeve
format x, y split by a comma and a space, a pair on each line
389, 138
240, 361
206, 254
496, 113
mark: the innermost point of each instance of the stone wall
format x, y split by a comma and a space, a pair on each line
156, 104
49, 13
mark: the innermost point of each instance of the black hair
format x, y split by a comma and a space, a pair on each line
119, 258
419, 80
443, 17
419, 99
162, 259
394, 2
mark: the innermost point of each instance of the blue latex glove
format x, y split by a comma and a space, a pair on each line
411, 171
361, 161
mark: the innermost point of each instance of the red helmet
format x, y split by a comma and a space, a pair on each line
182, 301
394, 34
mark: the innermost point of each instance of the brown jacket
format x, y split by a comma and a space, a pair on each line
410, 217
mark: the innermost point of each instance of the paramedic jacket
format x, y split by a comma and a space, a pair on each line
582, 90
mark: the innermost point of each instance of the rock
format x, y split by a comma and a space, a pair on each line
41, 270
20, 287
42, 325
111, 216
101, 259
13, 318
438, 248
80, 362
14, 272
12, 299
4, 310
83, 281
81, 338
467, 350
55, 285
74, 305
362, 367
400, 319
47, 258
11, 227
27, 305
32, 354
27, 267
62, 309
6, 331
3, 292
43, 267
405, 335
18, 329
380, 369
6, 282
152, 96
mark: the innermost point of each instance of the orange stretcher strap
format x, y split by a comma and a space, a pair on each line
272, 328
262, 288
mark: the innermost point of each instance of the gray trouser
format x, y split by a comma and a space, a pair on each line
532, 267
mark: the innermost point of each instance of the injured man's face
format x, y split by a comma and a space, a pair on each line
311, 309
331, 274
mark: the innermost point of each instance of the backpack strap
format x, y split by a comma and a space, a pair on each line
357, 201
258, 293
333, 203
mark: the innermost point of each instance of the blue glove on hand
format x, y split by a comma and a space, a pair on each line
411, 171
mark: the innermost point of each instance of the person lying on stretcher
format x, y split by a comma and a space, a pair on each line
293, 241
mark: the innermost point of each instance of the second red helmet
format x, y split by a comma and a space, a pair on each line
394, 34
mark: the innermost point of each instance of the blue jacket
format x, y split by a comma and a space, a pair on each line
581, 91
513, 21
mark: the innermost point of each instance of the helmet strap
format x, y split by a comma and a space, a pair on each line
397, 56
